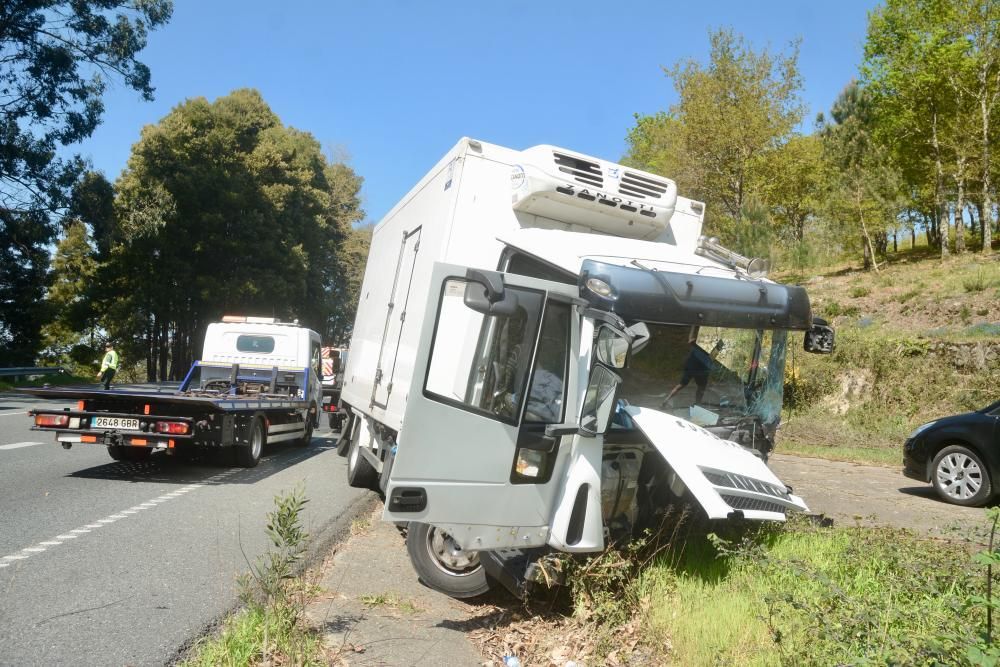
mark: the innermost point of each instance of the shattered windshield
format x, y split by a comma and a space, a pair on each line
709, 375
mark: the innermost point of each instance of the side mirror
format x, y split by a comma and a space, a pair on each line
599, 402
484, 298
640, 336
611, 347
819, 338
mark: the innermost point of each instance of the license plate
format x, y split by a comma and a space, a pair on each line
116, 422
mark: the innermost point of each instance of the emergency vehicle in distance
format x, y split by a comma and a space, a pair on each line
334, 360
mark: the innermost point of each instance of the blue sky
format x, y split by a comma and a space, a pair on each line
392, 85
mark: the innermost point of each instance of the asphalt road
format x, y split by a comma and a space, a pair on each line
120, 563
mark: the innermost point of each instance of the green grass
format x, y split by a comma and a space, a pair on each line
811, 596
254, 636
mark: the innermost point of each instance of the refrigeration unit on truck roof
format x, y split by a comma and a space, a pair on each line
487, 386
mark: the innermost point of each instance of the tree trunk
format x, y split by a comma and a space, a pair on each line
987, 210
959, 207
939, 209
895, 243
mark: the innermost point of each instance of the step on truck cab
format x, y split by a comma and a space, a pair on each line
258, 381
548, 354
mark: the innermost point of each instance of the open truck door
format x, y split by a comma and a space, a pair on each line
496, 365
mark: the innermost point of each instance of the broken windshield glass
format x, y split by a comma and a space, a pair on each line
709, 375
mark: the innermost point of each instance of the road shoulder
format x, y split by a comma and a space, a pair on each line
374, 611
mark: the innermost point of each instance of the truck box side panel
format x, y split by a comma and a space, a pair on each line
429, 207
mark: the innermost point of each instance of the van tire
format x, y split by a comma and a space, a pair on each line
248, 455
360, 473
467, 581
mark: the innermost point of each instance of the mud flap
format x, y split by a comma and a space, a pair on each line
725, 478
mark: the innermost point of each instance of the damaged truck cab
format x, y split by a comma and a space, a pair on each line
558, 395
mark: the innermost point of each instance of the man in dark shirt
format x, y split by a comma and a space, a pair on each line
697, 367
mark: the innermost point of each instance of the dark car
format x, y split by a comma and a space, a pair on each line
959, 455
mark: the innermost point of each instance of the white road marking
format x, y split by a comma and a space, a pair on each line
11, 414
18, 445
27, 552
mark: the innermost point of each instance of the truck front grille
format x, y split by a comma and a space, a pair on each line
734, 481
583, 171
751, 504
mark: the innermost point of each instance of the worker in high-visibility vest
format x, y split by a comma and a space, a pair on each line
109, 366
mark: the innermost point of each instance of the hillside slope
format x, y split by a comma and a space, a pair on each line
916, 341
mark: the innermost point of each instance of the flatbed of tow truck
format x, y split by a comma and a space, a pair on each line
217, 405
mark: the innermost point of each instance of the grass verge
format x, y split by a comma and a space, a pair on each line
798, 594
270, 628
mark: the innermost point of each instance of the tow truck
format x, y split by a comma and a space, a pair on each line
258, 382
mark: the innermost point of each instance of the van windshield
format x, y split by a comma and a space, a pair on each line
709, 375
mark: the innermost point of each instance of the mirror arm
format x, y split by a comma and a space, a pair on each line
558, 430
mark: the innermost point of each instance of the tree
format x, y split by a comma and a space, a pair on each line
56, 60
796, 179
353, 258
730, 115
223, 209
864, 189
933, 68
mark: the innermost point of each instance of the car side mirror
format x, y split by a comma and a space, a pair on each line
819, 338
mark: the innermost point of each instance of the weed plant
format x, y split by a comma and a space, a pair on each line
269, 630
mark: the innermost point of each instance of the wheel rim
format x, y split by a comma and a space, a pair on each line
959, 476
448, 556
256, 441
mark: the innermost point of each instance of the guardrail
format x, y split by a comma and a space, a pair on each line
28, 371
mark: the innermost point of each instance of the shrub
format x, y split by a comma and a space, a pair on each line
859, 291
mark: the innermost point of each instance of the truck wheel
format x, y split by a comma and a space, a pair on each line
344, 441
442, 564
248, 456
116, 452
306, 439
331, 420
360, 473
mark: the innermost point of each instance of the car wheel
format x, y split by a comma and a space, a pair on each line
248, 456
442, 564
960, 477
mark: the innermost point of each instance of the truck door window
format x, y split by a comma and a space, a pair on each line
480, 362
316, 360
548, 380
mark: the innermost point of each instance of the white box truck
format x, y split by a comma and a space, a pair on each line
529, 365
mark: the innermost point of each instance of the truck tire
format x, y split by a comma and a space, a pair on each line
360, 473
344, 441
443, 565
116, 452
248, 456
306, 439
